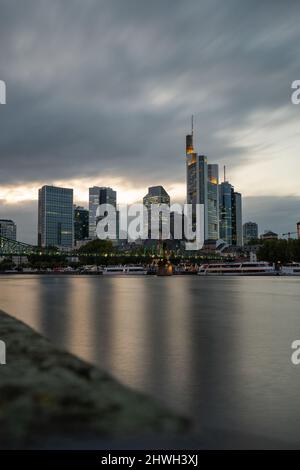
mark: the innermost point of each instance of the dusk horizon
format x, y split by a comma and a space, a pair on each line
149, 230
114, 109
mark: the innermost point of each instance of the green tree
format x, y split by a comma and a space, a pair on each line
97, 247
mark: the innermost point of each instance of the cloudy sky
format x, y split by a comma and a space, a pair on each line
101, 92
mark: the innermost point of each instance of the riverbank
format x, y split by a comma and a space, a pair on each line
48, 395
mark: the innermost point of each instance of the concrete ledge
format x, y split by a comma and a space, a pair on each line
46, 393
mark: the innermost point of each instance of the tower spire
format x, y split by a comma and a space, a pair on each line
190, 139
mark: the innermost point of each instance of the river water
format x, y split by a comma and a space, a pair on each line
216, 349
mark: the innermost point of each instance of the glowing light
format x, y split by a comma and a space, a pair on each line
127, 192
213, 180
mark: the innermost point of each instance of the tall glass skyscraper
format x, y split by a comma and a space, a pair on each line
225, 197
99, 195
237, 224
156, 195
231, 228
55, 217
81, 223
197, 180
213, 202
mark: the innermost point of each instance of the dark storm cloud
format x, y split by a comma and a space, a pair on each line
107, 86
87, 82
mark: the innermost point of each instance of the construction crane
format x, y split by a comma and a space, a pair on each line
288, 234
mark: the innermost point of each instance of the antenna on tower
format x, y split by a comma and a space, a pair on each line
192, 124
224, 173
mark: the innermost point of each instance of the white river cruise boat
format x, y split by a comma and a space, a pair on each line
124, 270
247, 268
290, 269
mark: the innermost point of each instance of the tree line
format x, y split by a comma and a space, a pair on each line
280, 251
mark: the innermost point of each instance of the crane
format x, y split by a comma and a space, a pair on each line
288, 234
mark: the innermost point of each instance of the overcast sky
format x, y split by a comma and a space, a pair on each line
101, 92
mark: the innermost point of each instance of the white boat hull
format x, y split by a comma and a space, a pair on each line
273, 273
126, 271
238, 269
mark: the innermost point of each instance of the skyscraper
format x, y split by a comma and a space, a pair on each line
225, 198
55, 217
99, 195
8, 229
213, 202
197, 181
81, 223
250, 231
237, 224
156, 195
231, 228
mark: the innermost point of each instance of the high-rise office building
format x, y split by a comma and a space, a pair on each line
225, 198
237, 224
197, 181
231, 228
8, 229
99, 195
250, 231
55, 217
298, 230
222, 216
213, 202
81, 223
157, 195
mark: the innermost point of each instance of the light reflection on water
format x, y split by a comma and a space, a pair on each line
217, 349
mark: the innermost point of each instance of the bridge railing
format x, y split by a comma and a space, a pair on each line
13, 247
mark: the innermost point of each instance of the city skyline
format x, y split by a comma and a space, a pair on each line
135, 91
211, 167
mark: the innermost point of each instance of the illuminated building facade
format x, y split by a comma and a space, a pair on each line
197, 181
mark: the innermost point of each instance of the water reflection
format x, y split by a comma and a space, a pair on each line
217, 349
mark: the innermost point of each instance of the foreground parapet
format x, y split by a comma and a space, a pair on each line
48, 395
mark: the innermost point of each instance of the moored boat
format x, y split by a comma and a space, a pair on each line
124, 270
247, 268
290, 269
